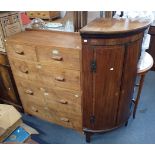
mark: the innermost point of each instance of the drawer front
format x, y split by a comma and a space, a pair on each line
35, 110
59, 77
56, 56
24, 70
67, 120
31, 91
53, 116
63, 100
21, 51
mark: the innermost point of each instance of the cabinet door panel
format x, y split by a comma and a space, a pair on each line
107, 81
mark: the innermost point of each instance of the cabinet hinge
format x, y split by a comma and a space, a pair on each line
92, 119
93, 66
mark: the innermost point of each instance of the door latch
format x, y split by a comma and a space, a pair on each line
93, 66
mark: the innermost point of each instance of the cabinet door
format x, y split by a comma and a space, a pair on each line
106, 85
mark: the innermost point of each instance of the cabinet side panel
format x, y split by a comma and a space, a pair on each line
87, 85
128, 80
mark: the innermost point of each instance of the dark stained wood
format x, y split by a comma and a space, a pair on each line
128, 80
107, 87
107, 93
87, 86
8, 93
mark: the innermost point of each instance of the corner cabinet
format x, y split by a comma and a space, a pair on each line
110, 53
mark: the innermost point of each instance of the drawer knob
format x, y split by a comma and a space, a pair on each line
64, 119
34, 109
63, 101
60, 78
28, 91
20, 52
24, 69
57, 58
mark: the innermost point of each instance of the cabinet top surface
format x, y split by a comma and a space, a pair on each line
47, 38
113, 26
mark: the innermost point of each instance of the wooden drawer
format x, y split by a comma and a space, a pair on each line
69, 79
21, 51
39, 111
67, 120
63, 100
31, 91
53, 116
56, 56
24, 70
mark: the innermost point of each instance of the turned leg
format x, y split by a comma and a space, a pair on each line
88, 136
126, 123
138, 94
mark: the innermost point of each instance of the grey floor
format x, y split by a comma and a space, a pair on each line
140, 130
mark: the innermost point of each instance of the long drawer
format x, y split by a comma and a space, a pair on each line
64, 78
55, 98
53, 116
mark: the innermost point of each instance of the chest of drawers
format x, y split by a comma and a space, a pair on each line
46, 68
43, 14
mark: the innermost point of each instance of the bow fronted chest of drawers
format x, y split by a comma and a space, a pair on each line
46, 68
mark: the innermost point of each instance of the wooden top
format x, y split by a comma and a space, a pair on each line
145, 63
47, 38
113, 26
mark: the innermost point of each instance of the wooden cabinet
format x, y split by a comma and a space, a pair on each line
46, 68
43, 14
8, 93
110, 52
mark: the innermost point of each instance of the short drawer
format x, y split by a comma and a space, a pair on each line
63, 100
63, 78
24, 70
21, 51
31, 91
59, 57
